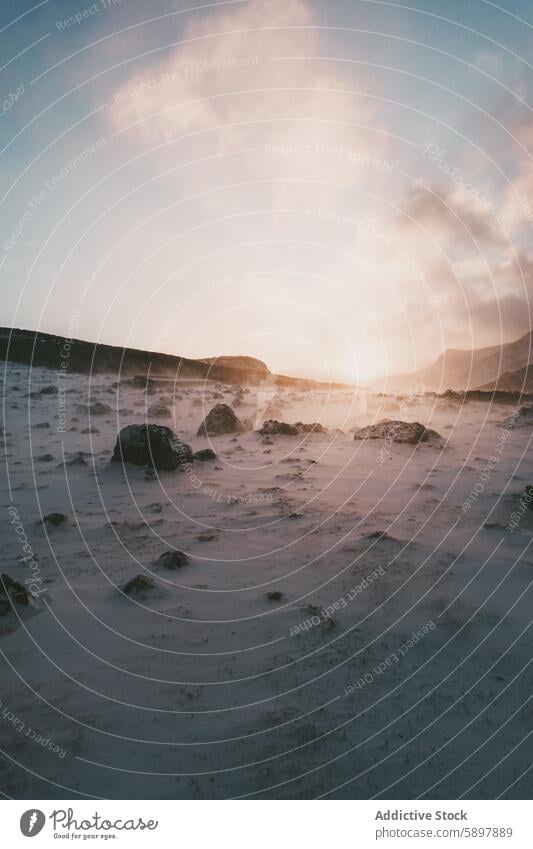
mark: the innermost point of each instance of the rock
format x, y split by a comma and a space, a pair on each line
377, 535
395, 430
11, 591
90, 430
452, 395
275, 595
54, 519
77, 458
151, 445
44, 458
522, 418
172, 560
137, 585
96, 409
274, 428
159, 410
46, 390
221, 419
528, 497
205, 454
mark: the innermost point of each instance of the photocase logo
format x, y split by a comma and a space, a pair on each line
32, 822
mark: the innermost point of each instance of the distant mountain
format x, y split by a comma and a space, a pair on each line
248, 363
458, 369
47, 350
512, 381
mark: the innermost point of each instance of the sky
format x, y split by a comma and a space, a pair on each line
343, 189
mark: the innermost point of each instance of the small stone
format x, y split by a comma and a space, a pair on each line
138, 585
54, 519
205, 454
172, 560
159, 411
11, 591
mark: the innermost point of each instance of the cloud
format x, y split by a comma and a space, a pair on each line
451, 215
246, 75
313, 170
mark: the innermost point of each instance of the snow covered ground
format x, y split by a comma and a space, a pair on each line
396, 660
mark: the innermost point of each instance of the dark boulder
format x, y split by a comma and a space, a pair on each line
151, 445
395, 430
221, 419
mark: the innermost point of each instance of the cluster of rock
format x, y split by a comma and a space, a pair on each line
395, 430
274, 428
140, 584
158, 447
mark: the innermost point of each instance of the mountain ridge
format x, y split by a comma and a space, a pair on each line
48, 350
478, 368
